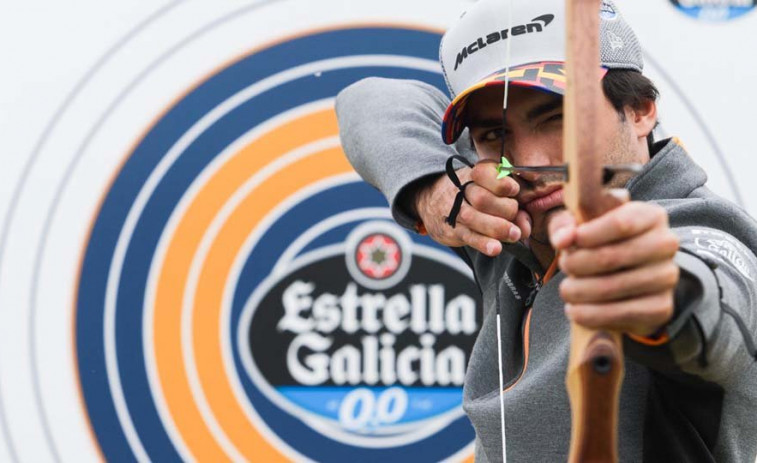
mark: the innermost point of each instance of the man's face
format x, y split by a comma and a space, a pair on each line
533, 137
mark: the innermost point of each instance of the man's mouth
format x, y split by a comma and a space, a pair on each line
544, 200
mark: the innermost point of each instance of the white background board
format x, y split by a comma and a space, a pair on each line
55, 52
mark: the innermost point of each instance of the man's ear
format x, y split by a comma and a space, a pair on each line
643, 118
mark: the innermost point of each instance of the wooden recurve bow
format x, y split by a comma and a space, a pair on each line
595, 369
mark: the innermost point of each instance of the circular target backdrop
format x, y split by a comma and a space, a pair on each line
192, 185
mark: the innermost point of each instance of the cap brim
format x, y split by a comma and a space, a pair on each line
547, 75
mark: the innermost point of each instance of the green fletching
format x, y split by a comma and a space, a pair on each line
504, 168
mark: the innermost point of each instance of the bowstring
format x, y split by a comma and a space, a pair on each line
499, 317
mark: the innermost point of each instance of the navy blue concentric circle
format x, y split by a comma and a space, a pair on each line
131, 283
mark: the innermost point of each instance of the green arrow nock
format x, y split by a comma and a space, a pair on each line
504, 168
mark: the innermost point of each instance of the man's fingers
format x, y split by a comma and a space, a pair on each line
483, 244
653, 246
621, 274
640, 281
485, 175
640, 316
525, 223
562, 230
487, 202
625, 221
488, 225
483, 222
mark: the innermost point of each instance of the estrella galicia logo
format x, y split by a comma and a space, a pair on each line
715, 10
244, 296
364, 364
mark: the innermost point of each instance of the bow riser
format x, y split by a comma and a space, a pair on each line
595, 369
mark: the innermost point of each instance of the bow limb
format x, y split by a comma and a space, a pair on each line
595, 369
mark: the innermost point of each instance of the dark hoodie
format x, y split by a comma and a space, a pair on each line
690, 399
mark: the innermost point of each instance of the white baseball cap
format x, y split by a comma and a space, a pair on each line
473, 51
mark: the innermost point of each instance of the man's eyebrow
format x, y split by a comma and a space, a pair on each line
533, 113
544, 108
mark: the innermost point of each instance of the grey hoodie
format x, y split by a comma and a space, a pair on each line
691, 399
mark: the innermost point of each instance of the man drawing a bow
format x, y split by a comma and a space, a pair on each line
673, 270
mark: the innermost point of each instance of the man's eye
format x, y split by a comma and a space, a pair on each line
491, 135
554, 117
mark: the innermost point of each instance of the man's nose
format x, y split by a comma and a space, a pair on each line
530, 151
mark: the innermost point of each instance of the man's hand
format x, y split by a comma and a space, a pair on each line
620, 270
491, 217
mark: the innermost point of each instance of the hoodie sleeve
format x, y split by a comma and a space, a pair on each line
712, 334
391, 133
